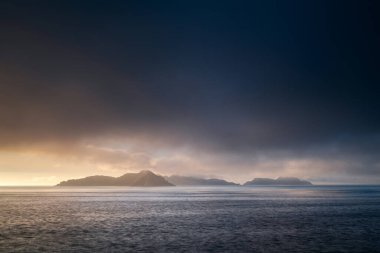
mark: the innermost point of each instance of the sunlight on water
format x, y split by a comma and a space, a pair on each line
190, 219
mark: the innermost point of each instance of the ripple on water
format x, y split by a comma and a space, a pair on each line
213, 219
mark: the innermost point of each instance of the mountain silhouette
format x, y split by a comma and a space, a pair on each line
143, 178
285, 181
194, 181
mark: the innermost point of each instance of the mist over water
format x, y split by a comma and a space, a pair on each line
190, 219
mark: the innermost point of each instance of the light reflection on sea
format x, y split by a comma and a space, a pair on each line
190, 219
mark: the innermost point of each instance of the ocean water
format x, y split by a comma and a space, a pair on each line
190, 219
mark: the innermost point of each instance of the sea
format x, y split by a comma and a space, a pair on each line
190, 219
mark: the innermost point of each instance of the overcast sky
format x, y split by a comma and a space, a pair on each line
232, 89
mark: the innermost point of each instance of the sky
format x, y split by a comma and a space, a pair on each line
227, 89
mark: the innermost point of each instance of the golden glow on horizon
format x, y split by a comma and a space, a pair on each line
38, 168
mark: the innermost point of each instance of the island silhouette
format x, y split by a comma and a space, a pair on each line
196, 181
147, 178
281, 181
142, 178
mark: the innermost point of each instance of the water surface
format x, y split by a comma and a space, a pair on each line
190, 219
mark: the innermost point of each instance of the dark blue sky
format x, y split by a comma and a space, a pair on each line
280, 79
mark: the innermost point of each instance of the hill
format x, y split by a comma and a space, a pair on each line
194, 181
143, 178
284, 181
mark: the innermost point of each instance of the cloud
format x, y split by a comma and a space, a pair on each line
44, 179
182, 91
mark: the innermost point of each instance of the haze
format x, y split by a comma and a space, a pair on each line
229, 89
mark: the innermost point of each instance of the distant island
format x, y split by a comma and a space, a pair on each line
281, 181
147, 178
144, 178
195, 181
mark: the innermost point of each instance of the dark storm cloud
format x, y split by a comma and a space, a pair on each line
232, 77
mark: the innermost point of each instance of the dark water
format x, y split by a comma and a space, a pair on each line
185, 219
